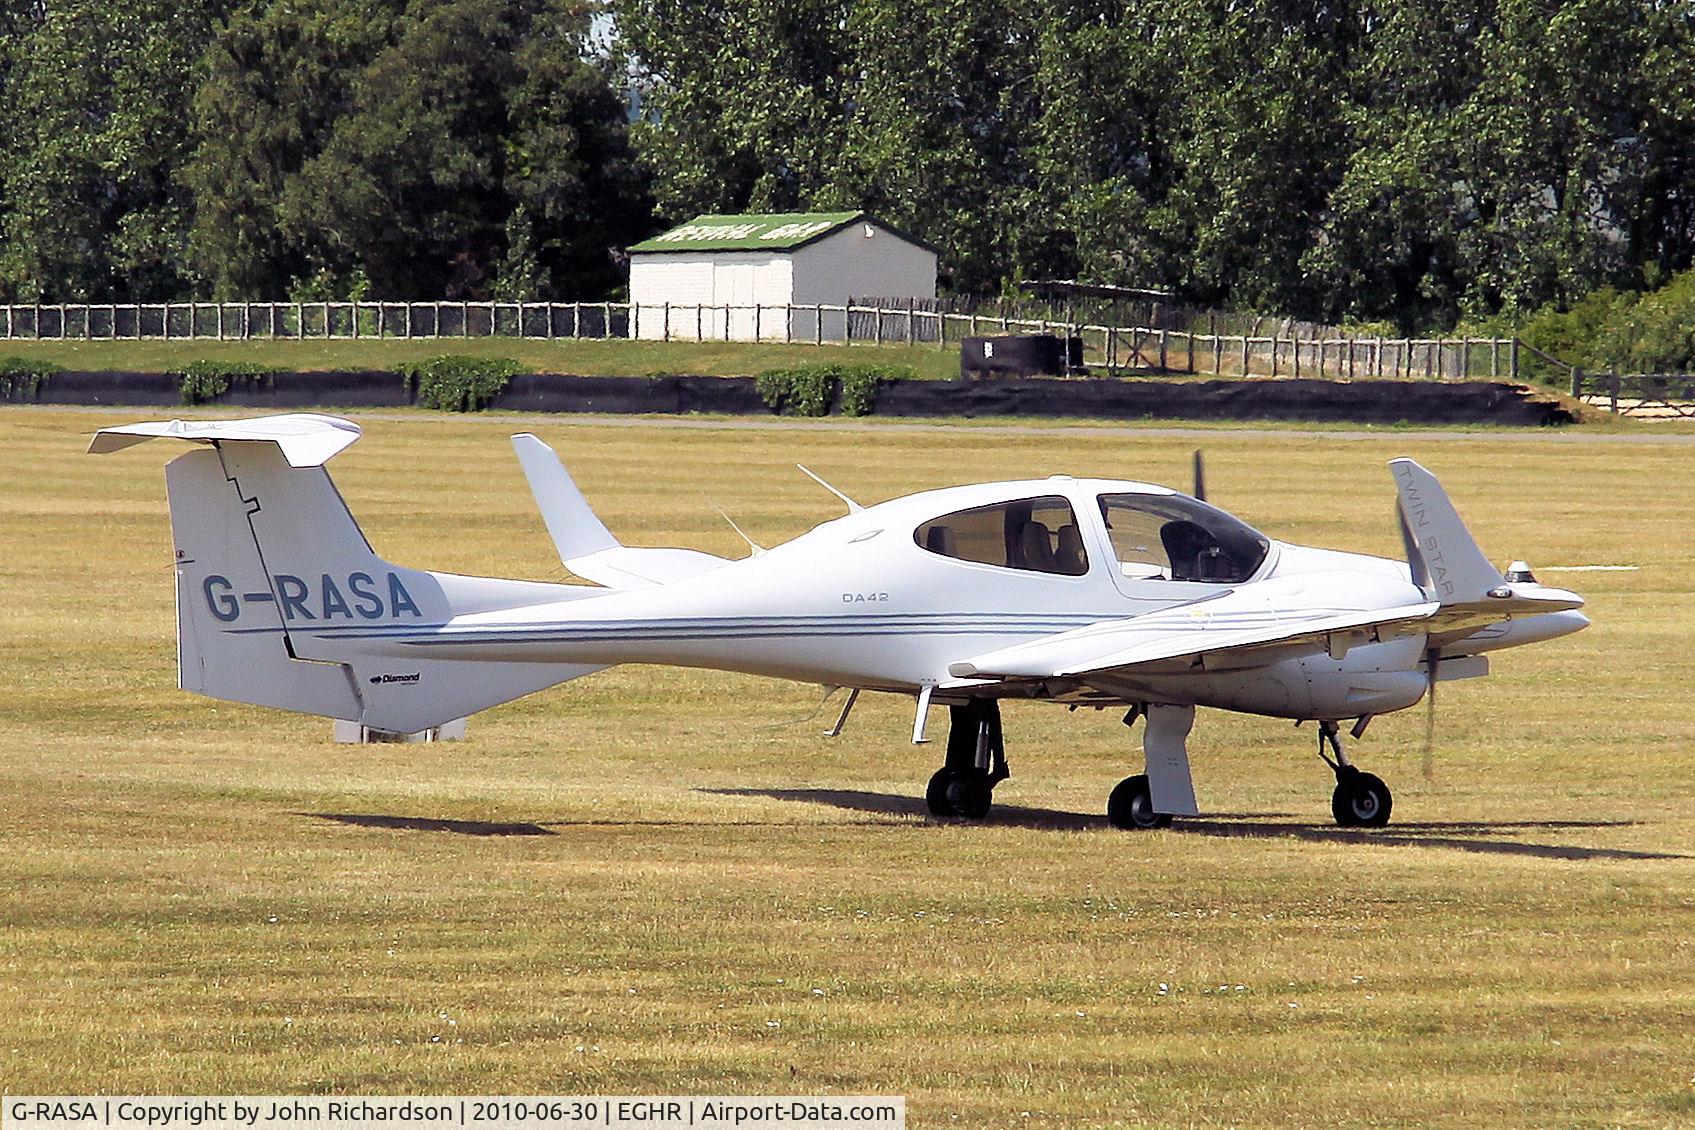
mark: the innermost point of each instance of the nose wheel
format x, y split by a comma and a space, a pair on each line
1361, 800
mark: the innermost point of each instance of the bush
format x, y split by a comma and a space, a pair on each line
811, 390
805, 390
1574, 335
20, 374
458, 384
200, 381
1656, 334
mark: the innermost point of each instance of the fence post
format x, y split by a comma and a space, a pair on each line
1512, 360
1274, 357
698, 335
1295, 342
1162, 365
912, 321
1465, 359
817, 323
665, 331
788, 323
1494, 358
758, 320
606, 319
1576, 381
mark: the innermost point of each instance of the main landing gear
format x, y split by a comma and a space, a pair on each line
1149, 800
976, 762
1361, 800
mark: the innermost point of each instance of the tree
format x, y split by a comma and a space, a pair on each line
395, 141
95, 96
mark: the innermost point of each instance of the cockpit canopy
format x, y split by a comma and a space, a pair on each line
1180, 538
1153, 536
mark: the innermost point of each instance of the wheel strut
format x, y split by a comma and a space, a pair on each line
975, 762
1360, 799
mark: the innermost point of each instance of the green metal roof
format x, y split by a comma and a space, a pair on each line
768, 231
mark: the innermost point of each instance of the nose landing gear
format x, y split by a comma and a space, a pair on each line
1361, 800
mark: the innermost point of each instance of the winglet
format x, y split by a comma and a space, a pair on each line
1455, 570
306, 438
571, 523
585, 545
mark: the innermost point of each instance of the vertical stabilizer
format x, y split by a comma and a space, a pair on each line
1453, 567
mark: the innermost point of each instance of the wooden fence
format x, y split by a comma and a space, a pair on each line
1301, 352
1638, 394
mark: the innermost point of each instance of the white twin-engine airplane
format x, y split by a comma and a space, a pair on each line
1086, 592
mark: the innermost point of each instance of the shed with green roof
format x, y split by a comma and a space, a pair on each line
754, 276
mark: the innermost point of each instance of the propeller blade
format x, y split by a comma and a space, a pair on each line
1415, 555
1432, 659
1200, 475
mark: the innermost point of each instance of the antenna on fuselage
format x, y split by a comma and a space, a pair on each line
755, 549
1200, 476
853, 507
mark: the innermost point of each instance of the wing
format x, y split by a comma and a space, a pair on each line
1269, 614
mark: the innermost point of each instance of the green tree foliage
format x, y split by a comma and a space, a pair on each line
94, 96
396, 142
1410, 160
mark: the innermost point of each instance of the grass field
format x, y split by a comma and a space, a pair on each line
614, 358
655, 881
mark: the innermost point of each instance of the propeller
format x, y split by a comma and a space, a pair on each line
1420, 571
1432, 658
1200, 491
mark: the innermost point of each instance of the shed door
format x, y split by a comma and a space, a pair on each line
736, 290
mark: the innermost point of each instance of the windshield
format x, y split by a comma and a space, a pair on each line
1178, 538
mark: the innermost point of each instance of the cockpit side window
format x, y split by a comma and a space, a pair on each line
1036, 534
1175, 537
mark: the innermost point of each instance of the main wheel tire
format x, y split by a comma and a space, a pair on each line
970, 793
1131, 805
1361, 800
936, 793
960, 792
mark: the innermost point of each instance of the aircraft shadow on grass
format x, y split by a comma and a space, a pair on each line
521, 827
1475, 836
1478, 837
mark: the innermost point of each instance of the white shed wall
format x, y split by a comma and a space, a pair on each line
675, 295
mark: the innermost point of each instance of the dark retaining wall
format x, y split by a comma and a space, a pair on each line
1360, 402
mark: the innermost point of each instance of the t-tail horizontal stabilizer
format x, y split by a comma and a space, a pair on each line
585, 545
